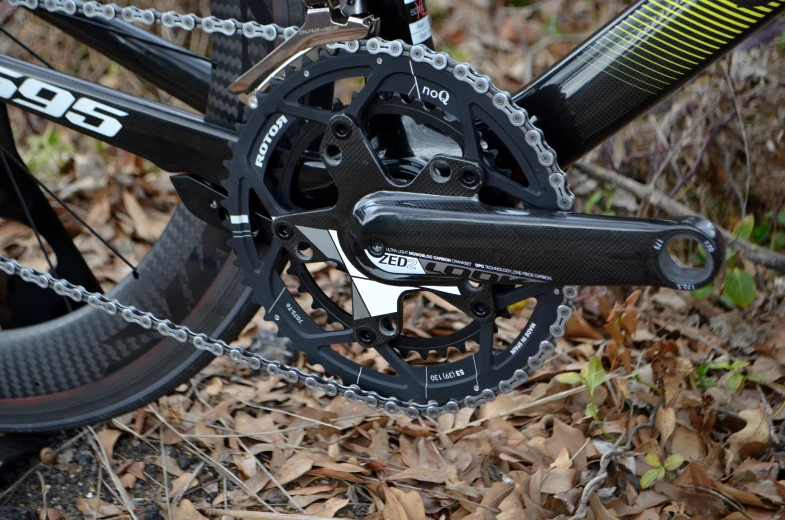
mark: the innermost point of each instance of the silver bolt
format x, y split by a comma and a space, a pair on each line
476, 388
556, 291
214, 204
277, 318
253, 102
307, 73
379, 61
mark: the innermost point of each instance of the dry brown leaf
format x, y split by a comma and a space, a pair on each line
205, 435
108, 439
558, 481
88, 506
564, 436
421, 473
688, 444
408, 505
185, 510
169, 463
128, 480
491, 500
136, 469
665, 422
646, 499
599, 509
756, 430
327, 509
294, 467
180, 482
143, 226
563, 460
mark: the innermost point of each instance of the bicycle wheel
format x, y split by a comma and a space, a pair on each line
86, 366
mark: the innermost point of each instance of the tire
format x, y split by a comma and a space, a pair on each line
88, 366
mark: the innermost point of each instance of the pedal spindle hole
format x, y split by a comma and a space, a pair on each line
684, 260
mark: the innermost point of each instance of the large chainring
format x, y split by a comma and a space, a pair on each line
478, 123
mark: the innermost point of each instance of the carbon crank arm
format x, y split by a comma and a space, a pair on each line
420, 239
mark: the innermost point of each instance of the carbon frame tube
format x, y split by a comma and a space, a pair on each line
173, 139
162, 63
634, 62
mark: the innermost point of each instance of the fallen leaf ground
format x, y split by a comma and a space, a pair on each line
656, 405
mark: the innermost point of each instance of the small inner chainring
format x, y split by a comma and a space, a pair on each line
408, 110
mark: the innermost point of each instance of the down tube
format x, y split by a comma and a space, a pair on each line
634, 62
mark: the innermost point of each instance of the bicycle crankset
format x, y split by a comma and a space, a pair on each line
430, 179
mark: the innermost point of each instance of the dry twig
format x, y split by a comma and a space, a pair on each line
759, 255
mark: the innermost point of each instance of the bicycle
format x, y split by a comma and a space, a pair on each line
286, 189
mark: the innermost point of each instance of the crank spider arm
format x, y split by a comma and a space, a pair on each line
430, 239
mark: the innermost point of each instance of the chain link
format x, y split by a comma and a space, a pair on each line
440, 61
170, 19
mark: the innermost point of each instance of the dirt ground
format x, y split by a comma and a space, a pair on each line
657, 404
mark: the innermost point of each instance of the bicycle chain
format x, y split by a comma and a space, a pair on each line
166, 328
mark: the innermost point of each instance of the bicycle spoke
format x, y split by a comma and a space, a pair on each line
25, 47
30, 221
65, 206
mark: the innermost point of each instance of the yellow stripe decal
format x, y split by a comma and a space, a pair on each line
614, 76
774, 4
742, 9
628, 50
723, 10
653, 36
621, 63
693, 13
674, 21
656, 47
764, 9
679, 32
686, 18
632, 46
612, 64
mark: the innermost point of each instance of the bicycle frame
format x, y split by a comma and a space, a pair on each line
632, 63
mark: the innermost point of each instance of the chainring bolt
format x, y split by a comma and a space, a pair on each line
283, 231
341, 130
376, 248
469, 177
366, 335
480, 309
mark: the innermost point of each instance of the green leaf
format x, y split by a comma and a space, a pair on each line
703, 370
781, 218
739, 364
569, 378
653, 460
650, 477
779, 240
703, 292
592, 201
735, 381
722, 365
740, 287
673, 462
761, 232
756, 377
743, 229
593, 374
707, 383
593, 412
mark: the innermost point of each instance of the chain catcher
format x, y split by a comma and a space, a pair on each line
292, 375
